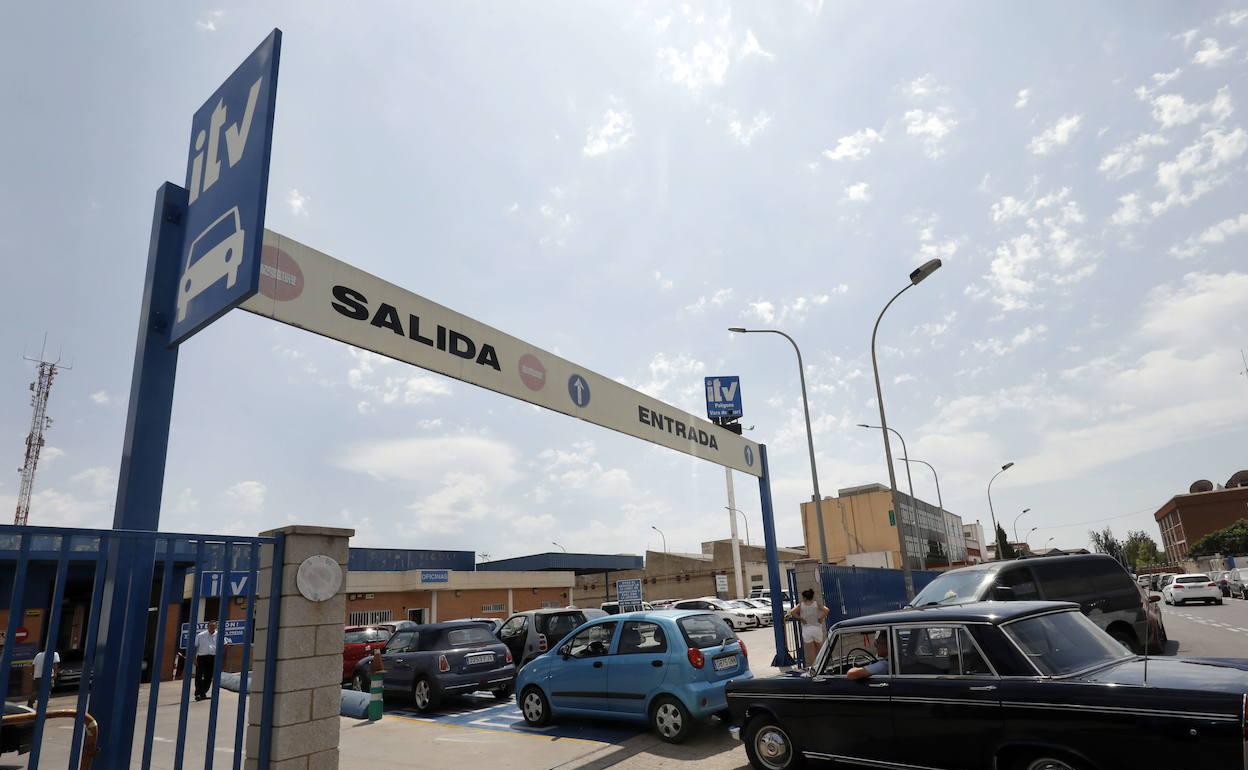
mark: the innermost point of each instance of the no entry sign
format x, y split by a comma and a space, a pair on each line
20, 634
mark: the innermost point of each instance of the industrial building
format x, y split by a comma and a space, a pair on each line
1185, 519
860, 529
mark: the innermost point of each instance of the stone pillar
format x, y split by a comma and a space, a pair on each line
308, 682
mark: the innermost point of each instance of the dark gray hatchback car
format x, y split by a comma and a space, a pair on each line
428, 662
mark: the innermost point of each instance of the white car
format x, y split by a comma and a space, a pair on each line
215, 253
1192, 587
737, 619
757, 609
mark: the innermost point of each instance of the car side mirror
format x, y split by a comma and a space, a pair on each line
1154, 598
566, 651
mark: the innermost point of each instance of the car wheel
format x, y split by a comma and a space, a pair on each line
769, 746
534, 707
362, 682
670, 719
503, 693
1047, 763
1217, 601
425, 696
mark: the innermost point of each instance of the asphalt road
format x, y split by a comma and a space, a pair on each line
1217, 631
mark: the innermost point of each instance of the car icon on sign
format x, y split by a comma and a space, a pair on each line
215, 253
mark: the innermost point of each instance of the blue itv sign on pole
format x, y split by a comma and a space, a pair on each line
723, 397
227, 182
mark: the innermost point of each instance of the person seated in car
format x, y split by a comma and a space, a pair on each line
880, 666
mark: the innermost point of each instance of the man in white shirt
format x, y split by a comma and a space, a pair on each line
205, 659
39, 664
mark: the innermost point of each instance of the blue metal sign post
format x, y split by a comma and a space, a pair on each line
773, 563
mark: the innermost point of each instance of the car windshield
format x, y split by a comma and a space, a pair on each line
365, 635
558, 624
470, 635
1064, 642
1193, 579
740, 604
953, 588
705, 631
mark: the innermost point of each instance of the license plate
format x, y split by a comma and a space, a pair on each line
480, 657
723, 664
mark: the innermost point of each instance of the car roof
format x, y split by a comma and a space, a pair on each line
550, 611
448, 625
1192, 574
1070, 558
974, 612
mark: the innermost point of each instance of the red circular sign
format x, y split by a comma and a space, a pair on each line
280, 276
532, 373
20, 634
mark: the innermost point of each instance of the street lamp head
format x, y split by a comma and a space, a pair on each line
1007, 466
1025, 510
924, 270
738, 329
863, 425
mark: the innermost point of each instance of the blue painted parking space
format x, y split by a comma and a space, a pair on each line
484, 711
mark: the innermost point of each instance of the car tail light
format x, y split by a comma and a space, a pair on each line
509, 658
1176, 587
1211, 585
696, 658
744, 650
443, 665
541, 643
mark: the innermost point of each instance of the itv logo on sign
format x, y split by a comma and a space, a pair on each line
723, 397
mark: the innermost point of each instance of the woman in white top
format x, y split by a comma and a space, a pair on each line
812, 614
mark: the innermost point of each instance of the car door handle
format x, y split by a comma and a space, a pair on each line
984, 688
597, 664
657, 663
878, 684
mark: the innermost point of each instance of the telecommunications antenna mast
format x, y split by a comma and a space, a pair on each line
39, 422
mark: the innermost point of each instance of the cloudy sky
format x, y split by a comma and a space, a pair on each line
619, 183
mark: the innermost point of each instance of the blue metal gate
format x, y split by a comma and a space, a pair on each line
854, 591
117, 642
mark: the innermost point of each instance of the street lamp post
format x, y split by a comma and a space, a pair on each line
1016, 518
1028, 537
918, 275
565, 550
909, 483
656, 529
1046, 542
1000, 545
810, 439
744, 519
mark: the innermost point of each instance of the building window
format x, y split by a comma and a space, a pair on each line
487, 608
551, 605
367, 617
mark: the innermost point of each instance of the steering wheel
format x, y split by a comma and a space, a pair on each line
873, 657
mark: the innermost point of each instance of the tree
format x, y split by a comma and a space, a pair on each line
1140, 550
1229, 541
1105, 542
1004, 549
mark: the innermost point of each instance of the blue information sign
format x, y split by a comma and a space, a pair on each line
628, 591
236, 583
235, 632
435, 576
227, 179
723, 397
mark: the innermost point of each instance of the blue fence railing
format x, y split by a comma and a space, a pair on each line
117, 642
851, 592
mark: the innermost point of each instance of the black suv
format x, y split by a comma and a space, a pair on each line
1096, 582
530, 633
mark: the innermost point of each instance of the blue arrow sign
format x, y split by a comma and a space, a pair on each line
227, 179
578, 389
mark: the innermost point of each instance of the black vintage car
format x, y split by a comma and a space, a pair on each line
994, 686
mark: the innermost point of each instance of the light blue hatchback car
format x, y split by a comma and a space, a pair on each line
667, 668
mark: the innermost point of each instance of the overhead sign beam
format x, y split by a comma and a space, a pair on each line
306, 288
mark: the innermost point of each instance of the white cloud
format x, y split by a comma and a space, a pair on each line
1047, 252
50, 454
904, 378
1057, 135
1163, 78
935, 329
751, 47
931, 127
367, 377
186, 503
744, 133
101, 480
246, 497
793, 311
1217, 234
1128, 158
924, 86
298, 203
1234, 18
1172, 110
462, 499
100, 397
1187, 37
997, 347
665, 284
858, 193
676, 379
1198, 168
718, 299
54, 508
1024, 96
418, 460
856, 146
614, 132
1129, 212
1211, 54
1205, 307
207, 21
704, 64
577, 469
